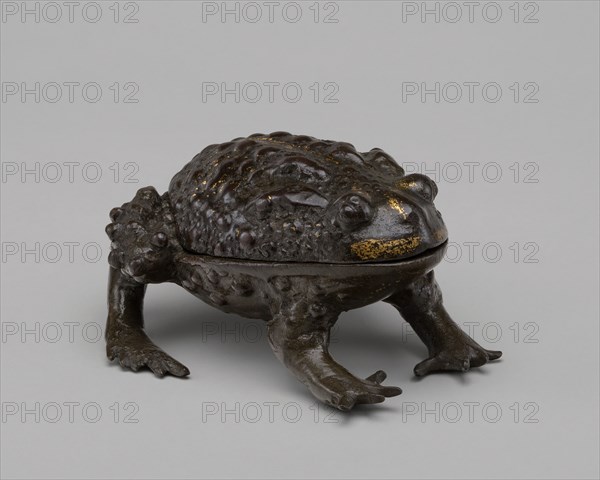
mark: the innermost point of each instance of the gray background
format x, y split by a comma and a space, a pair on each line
534, 413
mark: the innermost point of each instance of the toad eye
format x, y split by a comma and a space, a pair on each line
353, 211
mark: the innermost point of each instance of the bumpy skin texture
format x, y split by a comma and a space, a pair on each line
144, 238
288, 198
292, 230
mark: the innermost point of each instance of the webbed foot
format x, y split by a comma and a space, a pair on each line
345, 391
301, 344
134, 350
125, 337
450, 349
459, 356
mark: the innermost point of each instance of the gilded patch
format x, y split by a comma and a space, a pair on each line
373, 249
404, 184
396, 206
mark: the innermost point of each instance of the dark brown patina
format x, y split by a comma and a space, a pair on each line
292, 230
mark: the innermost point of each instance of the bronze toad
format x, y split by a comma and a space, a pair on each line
292, 230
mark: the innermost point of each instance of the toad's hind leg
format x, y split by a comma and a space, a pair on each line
300, 339
125, 337
420, 303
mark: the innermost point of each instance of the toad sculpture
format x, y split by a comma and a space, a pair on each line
292, 230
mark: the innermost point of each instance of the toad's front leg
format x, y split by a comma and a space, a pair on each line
125, 337
300, 339
420, 303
